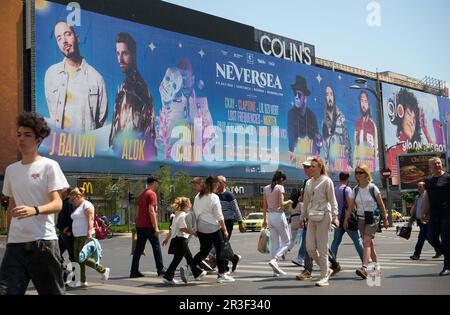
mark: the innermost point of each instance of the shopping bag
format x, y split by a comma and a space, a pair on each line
133, 243
264, 241
227, 252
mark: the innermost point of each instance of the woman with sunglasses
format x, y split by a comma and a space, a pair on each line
321, 209
367, 198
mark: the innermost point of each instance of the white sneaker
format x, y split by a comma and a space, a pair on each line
105, 275
322, 283
329, 273
184, 274
172, 282
81, 284
274, 264
224, 278
200, 276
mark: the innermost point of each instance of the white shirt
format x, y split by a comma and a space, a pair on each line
364, 200
208, 212
31, 185
80, 224
179, 222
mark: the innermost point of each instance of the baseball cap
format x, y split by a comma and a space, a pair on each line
308, 161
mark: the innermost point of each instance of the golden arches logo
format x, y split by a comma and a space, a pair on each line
88, 188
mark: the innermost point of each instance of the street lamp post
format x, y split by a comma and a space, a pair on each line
377, 94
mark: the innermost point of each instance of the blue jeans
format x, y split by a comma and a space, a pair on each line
354, 235
302, 249
439, 225
144, 234
38, 261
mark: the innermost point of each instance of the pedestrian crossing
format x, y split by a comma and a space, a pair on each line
247, 271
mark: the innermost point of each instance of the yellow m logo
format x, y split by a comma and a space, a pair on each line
88, 188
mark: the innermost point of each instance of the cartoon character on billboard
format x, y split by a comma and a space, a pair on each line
75, 92
366, 141
303, 131
182, 107
338, 149
133, 108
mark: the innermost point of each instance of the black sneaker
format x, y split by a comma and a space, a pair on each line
438, 254
235, 262
444, 273
335, 270
414, 257
136, 275
161, 272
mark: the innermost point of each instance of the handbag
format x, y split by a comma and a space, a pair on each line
264, 241
172, 246
316, 216
369, 217
227, 252
404, 231
353, 222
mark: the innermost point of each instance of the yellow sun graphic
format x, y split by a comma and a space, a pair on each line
41, 5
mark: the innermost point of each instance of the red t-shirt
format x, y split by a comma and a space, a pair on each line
146, 198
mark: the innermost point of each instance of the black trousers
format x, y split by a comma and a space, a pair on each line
180, 245
38, 261
206, 241
66, 243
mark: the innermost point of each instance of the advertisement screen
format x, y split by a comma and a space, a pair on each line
412, 120
123, 97
414, 168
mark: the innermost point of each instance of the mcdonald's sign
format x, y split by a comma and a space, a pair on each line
88, 188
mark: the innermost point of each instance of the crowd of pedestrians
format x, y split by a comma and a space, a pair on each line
37, 189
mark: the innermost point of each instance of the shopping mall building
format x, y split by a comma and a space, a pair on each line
211, 96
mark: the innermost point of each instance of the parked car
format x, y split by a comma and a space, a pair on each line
253, 222
396, 216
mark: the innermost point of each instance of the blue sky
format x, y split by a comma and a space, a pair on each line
413, 37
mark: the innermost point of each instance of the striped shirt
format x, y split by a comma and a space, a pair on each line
230, 207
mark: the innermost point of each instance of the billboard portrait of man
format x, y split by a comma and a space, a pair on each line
338, 149
366, 133
302, 122
75, 92
133, 107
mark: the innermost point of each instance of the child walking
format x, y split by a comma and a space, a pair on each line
178, 237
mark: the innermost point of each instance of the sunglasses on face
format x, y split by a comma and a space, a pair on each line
359, 172
306, 166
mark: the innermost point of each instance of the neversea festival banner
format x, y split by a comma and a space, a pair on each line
123, 97
413, 120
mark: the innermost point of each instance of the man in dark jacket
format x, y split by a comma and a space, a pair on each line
64, 225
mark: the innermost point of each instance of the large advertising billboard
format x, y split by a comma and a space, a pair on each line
123, 97
414, 168
412, 120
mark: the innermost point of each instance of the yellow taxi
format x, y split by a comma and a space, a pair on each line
253, 222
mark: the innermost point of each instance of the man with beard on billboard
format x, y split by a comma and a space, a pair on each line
302, 122
366, 133
338, 149
75, 92
133, 109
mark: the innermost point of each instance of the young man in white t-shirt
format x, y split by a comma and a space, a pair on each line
33, 185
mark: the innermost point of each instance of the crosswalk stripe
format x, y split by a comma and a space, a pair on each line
122, 288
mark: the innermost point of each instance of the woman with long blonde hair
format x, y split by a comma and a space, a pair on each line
367, 198
321, 209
